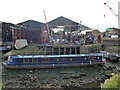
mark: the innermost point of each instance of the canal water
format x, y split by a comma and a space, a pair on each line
83, 77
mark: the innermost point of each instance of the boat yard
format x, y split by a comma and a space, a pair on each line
60, 77
42, 55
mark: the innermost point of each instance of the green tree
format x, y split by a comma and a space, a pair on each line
113, 82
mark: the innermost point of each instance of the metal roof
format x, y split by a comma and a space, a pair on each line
49, 56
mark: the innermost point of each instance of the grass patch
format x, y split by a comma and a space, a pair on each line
30, 50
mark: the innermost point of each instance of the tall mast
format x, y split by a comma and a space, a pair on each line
47, 25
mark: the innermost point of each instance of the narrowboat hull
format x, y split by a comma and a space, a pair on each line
52, 61
49, 66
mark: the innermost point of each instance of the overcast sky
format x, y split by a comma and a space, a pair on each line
90, 12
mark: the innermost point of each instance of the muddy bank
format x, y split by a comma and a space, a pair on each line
87, 77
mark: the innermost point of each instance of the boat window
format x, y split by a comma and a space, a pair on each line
57, 59
71, 59
45, 60
85, 58
10, 59
26, 60
98, 57
34, 60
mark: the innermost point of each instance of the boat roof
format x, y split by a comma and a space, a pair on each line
48, 56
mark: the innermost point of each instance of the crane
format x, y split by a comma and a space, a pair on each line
112, 11
47, 25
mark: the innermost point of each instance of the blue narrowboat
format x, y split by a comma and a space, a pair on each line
52, 61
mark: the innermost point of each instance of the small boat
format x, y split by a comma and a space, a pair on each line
104, 54
110, 56
52, 61
113, 57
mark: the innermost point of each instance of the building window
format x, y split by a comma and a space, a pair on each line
45, 60
34, 60
26, 60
